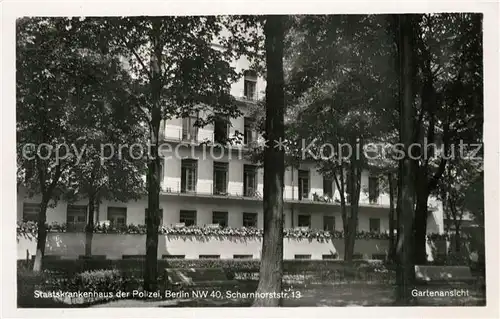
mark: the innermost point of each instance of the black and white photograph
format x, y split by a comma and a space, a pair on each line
169, 160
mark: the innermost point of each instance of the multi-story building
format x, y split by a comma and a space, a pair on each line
203, 185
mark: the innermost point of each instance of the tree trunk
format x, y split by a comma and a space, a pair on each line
390, 179
354, 181
399, 200
340, 183
457, 239
89, 230
271, 267
41, 235
405, 269
153, 177
345, 225
421, 212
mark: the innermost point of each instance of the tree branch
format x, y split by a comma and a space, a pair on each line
128, 46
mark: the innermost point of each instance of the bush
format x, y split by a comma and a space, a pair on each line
28, 282
134, 268
98, 280
104, 281
126, 275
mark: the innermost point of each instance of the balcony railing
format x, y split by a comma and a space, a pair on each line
247, 97
200, 136
208, 189
193, 135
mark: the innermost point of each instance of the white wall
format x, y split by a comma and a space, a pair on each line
114, 246
172, 204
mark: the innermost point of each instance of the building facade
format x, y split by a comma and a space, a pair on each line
205, 186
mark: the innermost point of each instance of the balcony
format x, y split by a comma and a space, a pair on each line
248, 98
208, 190
204, 189
192, 136
200, 136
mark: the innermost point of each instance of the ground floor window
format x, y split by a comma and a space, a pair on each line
117, 216
219, 218
329, 223
329, 256
31, 211
173, 256
242, 256
146, 214
304, 221
375, 225
249, 220
302, 256
76, 217
188, 217
209, 257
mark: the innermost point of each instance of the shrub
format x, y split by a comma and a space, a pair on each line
126, 275
28, 282
98, 280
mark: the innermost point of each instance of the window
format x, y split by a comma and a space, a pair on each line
163, 126
31, 212
188, 217
249, 180
219, 218
117, 216
242, 256
173, 256
188, 175
220, 178
375, 225
303, 184
327, 187
133, 256
76, 217
146, 214
162, 173
221, 129
373, 190
250, 85
304, 221
348, 188
249, 220
189, 128
329, 256
248, 131
378, 256
302, 256
209, 256
329, 223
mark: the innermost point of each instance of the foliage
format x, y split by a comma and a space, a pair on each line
109, 122
341, 92
50, 70
448, 101
474, 198
28, 282
68, 98
459, 192
29, 228
104, 280
100, 269
178, 72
